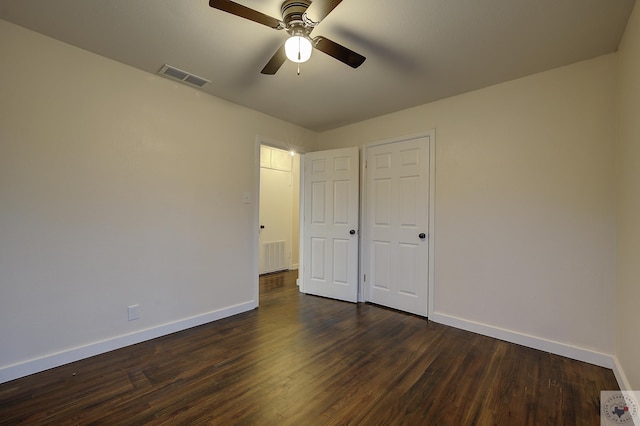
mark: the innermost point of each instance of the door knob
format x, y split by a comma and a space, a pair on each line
352, 232
422, 235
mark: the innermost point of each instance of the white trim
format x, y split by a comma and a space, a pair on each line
256, 218
274, 143
562, 349
432, 222
622, 379
363, 290
57, 359
301, 233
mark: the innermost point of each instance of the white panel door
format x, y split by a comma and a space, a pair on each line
397, 218
330, 224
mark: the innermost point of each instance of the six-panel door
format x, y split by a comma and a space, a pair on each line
330, 244
397, 212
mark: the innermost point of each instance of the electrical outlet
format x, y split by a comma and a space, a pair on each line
134, 312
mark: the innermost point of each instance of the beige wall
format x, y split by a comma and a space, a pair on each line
628, 249
118, 187
525, 202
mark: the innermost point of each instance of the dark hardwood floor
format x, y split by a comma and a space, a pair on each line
305, 360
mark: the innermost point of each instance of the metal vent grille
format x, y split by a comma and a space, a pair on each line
185, 77
274, 259
196, 81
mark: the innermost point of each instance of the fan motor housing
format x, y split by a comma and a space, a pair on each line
292, 11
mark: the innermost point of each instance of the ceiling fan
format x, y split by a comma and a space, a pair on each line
299, 18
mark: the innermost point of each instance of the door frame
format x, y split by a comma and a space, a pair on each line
255, 199
364, 235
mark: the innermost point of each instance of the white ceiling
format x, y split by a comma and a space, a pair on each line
417, 50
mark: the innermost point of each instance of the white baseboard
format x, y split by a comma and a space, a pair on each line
573, 352
37, 365
623, 382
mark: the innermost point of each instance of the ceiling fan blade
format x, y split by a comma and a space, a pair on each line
319, 9
338, 51
247, 13
275, 62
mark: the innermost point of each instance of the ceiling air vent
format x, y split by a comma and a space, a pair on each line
185, 77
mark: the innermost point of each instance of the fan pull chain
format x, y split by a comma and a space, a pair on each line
299, 54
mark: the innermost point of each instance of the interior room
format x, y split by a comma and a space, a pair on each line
125, 191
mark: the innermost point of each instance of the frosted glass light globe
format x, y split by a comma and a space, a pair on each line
298, 49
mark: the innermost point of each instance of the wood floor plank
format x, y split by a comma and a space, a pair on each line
301, 359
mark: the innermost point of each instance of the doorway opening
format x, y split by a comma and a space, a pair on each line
279, 210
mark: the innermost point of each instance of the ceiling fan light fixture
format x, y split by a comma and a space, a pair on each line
298, 48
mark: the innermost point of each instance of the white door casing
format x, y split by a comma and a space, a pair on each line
397, 206
330, 224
